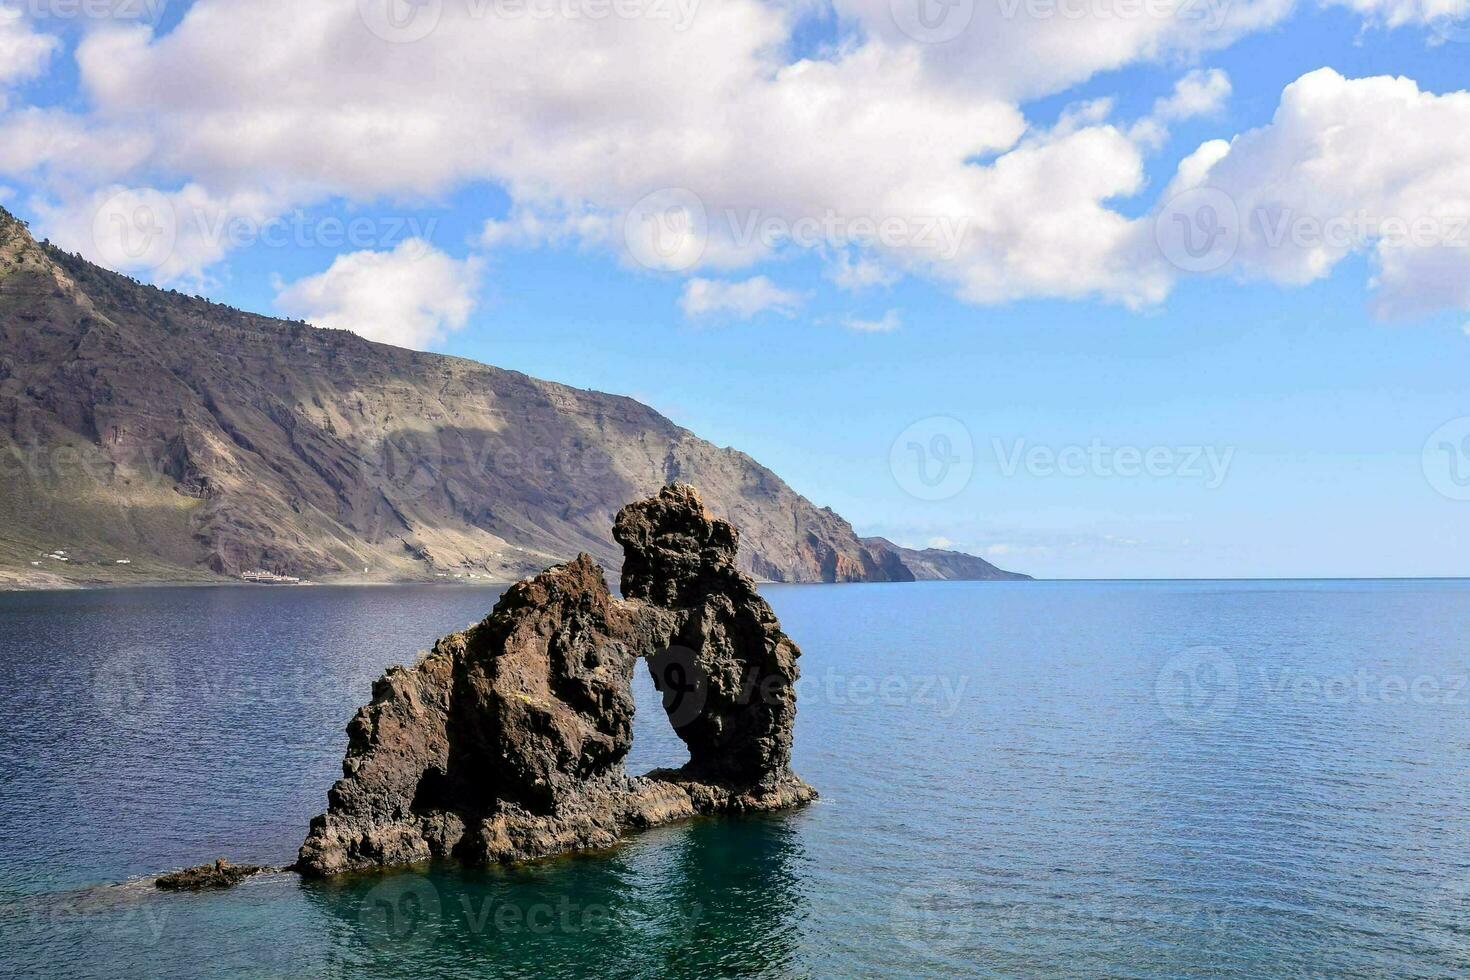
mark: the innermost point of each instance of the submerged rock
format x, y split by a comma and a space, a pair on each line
507, 741
220, 874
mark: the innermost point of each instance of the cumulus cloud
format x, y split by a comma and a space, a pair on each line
684, 139
1199, 93
745, 299
164, 236
1370, 165
887, 323
32, 141
410, 297
1446, 17
855, 273
23, 51
1019, 49
870, 152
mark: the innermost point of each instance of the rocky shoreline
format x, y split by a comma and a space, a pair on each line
506, 743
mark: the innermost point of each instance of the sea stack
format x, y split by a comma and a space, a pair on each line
506, 742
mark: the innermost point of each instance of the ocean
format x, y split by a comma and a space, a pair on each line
1124, 779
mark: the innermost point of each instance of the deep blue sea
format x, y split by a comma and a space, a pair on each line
1153, 779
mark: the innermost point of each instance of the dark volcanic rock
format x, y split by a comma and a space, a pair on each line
728, 653
206, 877
507, 741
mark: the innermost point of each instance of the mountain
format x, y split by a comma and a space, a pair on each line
934, 564
146, 435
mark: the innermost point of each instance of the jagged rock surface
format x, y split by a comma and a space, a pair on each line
728, 655
507, 741
209, 877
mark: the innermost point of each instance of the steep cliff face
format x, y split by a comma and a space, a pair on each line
937, 564
507, 742
192, 440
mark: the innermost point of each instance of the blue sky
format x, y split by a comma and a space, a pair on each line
1288, 416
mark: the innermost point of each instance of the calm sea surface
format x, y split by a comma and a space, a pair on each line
1050, 779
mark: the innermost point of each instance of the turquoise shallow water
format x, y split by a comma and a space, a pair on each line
1029, 779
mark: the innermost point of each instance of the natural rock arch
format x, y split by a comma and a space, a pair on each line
507, 741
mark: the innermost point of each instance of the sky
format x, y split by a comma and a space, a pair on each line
1092, 288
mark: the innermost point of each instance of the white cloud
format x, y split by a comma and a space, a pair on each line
896, 157
164, 236
1018, 49
1369, 165
1199, 93
1443, 15
859, 273
23, 51
875, 148
706, 297
887, 323
34, 140
409, 297
526, 227
940, 542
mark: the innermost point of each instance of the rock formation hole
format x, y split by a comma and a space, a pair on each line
655, 743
